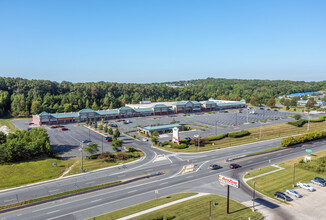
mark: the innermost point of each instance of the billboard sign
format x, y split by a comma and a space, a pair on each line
229, 181
175, 136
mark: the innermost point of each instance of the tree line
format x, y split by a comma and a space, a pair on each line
22, 97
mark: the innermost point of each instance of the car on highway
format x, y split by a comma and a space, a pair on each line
306, 186
320, 179
283, 196
317, 182
64, 129
86, 141
234, 166
293, 193
214, 166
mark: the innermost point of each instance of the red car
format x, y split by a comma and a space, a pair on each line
31, 123
234, 166
64, 129
108, 139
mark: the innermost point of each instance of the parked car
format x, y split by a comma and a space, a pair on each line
275, 110
187, 138
86, 141
214, 166
293, 193
268, 109
64, 129
306, 186
129, 121
116, 149
234, 166
261, 108
283, 196
320, 179
31, 123
114, 125
108, 139
317, 182
145, 139
53, 126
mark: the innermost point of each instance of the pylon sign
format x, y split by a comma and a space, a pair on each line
175, 135
229, 181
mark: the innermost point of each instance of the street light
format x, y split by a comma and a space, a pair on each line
308, 121
253, 197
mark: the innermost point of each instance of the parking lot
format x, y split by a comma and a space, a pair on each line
67, 143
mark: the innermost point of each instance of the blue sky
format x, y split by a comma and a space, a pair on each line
155, 41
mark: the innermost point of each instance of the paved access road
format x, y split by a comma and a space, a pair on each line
202, 180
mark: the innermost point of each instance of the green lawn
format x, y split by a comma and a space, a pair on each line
197, 208
267, 132
7, 122
22, 173
260, 171
283, 179
142, 206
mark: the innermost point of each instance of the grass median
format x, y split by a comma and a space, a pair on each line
197, 208
283, 179
265, 132
260, 171
56, 195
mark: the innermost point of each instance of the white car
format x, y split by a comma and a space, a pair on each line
317, 182
306, 186
145, 139
293, 193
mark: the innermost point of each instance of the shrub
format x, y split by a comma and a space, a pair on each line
108, 160
180, 146
321, 119
93, 157
217, 137
297, 116
298, 123
303, 138
239, 134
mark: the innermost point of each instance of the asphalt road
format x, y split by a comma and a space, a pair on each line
202, 180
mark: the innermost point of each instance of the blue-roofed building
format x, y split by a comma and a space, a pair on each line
304, 94
159, 128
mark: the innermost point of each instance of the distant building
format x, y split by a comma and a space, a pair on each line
304, 102
304, 94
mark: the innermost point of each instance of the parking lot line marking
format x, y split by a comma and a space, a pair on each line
163, 183
132, 191
20, 214
90, 182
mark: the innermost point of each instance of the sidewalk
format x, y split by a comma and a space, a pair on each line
162, 206
263, 174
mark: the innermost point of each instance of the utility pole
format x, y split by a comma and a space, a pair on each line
89, 134
228, 201
102, 143
215, 127
293, 175
210, 210
308, 122
247, 116
260, 130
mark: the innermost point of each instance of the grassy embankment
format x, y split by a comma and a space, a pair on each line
197, 208
17, 174
267, 132
260, 171
283, 179
7, 122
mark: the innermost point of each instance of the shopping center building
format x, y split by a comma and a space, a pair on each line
137, 110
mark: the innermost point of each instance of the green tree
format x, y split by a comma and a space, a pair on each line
254, 101
3, 137
310, 103
117, 143
94, 106
106, 128
100, 127
91, 148
116, 133
287, 103
36, 107
154, 137
110, 131
271, 102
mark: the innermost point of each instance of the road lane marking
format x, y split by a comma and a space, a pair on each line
132, 191
90, 182
96, 200
53, 190
53, 211
20, 214
163, 183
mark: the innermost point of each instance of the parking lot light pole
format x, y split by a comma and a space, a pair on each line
197, 136
308, 122
81, 149
260, 130
293, 175
102, 143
